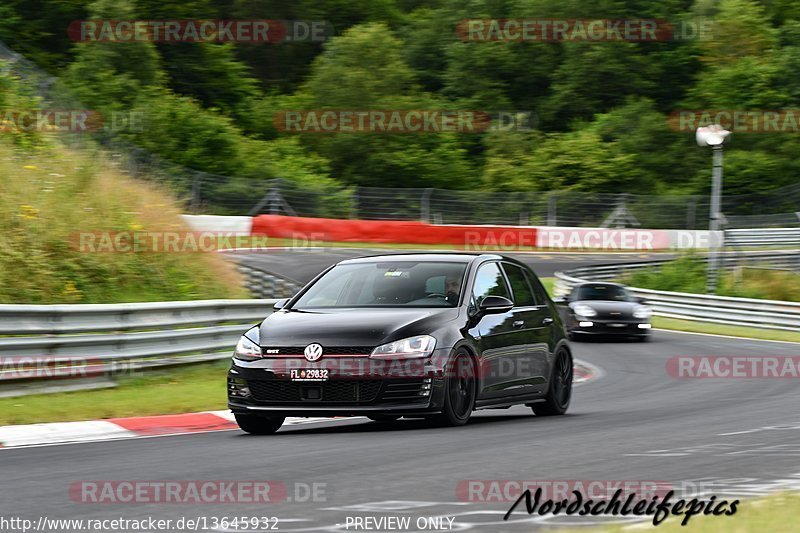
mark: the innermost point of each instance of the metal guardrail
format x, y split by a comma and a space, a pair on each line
82, 318
763, 237
95, 339
766, 314
263, 284
93, 343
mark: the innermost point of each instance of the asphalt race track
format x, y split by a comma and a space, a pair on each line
634, 423
733, 437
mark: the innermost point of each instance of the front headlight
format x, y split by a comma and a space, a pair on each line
419, 346
584, 310
247, 349
642, 312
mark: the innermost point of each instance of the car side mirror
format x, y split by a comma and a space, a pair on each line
560, 300
641, 300
280, 304
493, 305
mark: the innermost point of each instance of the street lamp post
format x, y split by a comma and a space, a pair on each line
714, 136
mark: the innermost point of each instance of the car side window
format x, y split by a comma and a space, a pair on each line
489, 281
520, 286
539, 293
573, 294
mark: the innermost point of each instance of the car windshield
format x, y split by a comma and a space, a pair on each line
602, 292
386, 284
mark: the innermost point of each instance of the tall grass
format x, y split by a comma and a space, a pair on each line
763, 283
48, 194
688, 274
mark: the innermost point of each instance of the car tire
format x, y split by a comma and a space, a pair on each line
459, 392
259, 425
383, 418
559, 393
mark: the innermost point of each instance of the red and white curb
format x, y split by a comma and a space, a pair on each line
162, 425
583, 372
124, 428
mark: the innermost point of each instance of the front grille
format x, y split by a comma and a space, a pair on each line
603, 327
326, 350
334, 391
612, 315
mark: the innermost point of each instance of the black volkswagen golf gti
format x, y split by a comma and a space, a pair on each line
414, 335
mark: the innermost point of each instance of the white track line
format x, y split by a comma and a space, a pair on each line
723, 336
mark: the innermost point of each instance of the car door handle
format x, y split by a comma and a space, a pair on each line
547, 320
518, 323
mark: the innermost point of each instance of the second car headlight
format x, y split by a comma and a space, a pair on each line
584, 310
419, 346
246, 348
642, 312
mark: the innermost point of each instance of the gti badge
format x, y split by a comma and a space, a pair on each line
313, 352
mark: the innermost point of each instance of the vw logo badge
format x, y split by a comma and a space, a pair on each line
313, 352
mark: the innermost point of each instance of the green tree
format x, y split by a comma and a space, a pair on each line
365, 69
579, 161
109, 76
38, 29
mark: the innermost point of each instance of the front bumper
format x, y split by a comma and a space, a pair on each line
628, 327
354, 387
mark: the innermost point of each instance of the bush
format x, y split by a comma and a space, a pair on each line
688, 274
48, 199
685, 274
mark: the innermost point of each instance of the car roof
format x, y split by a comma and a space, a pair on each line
427, 257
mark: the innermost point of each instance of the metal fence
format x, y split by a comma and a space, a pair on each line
539, 208
44, 341
440, 206
779, 220
766, 314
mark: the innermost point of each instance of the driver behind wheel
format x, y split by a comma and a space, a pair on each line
452, 286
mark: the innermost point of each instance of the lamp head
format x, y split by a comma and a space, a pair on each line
713, 135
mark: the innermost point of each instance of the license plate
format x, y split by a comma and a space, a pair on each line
309, 374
